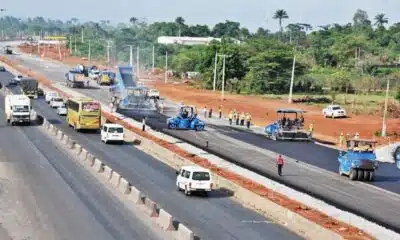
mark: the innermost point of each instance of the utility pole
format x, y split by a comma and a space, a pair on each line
223, 74
152, 65
385, 111
75, 44
59, 50
137, 62
166, 66
292, 80
108, 52
2, 25
82, 35
215, 70
70, 44
89, 54
131, 55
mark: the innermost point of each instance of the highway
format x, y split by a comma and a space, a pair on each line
46, 195
215, 217
236, 146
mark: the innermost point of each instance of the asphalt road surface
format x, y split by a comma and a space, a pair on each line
215, 217
46, 195
369, 202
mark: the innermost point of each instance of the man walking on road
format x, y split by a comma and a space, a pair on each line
230, 117
279, 164
205, 111
220, 111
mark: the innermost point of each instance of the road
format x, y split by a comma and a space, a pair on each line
46, 195
236, 146
215, 217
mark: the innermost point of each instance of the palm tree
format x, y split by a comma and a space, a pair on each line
280, 15
380, 20
180, 21
133, 20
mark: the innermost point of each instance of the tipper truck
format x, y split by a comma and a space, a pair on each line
77, 77
30, 87
18, 109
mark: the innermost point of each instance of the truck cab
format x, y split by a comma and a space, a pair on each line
358, 161
18, 109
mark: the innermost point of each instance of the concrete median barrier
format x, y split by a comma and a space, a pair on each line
71, 143
165, 221
83, 155
97, 166
60, 135
50, 128
65, 139
115, 178
89, 160
107, 173
135, 196
77, 149
150, 207
53, 131
124, 186
184, 233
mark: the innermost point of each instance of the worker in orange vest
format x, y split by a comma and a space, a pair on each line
220, 111
279, 164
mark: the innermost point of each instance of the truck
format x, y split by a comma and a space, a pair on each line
30, 87
18, 109
77, 77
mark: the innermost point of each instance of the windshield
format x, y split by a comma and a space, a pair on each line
58, 100
21, 108
90, 107
201, 176
336, 108
115, 130
52, 94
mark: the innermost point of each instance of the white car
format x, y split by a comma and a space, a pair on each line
111, 132
50, 95
194, 179
153, 93
334, 111
56, 102
62, 110
18, 78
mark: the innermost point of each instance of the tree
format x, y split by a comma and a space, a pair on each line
180, 22
381, 20
360, 18
133, 20
226, 29
280, 15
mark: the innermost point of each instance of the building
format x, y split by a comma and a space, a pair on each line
189, 40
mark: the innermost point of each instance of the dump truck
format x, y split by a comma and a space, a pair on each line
18, 109
29, 87
77, 77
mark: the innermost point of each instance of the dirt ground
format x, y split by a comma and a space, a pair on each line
261, 110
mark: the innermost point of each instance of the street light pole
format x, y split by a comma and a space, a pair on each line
131, 55
89, 54
137, 62
166, 66
215, 70
223, 74
152, 65
385, 111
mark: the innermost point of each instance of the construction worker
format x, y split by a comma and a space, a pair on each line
357, 136
210, 113
279, 164
236, 117
161, 106
341, 139
195, 111
205, 111
230, 117
242, 117
311, 128
220, 111
248, 120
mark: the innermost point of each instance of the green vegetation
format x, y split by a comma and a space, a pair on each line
334, 59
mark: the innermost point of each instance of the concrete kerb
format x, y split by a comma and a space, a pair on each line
184, 233
97, 166
165, 220
65, 139
115, 178
83, 155
77, 148
60, 134
89, 160
124, 186
135, 196
106, 174
150, 207
70, 143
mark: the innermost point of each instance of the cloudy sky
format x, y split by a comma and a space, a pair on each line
250, 13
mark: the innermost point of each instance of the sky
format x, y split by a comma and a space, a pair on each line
251, 13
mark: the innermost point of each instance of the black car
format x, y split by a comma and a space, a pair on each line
2, 69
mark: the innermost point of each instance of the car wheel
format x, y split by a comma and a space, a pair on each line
177, 187
353, 174
199, 127
187, 192
172, 125
360, 175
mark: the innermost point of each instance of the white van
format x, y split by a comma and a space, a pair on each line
50, 95
194, 179
112, 133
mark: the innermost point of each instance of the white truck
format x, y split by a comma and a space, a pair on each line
18, 109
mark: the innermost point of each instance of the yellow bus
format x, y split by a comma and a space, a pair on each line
84, 113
